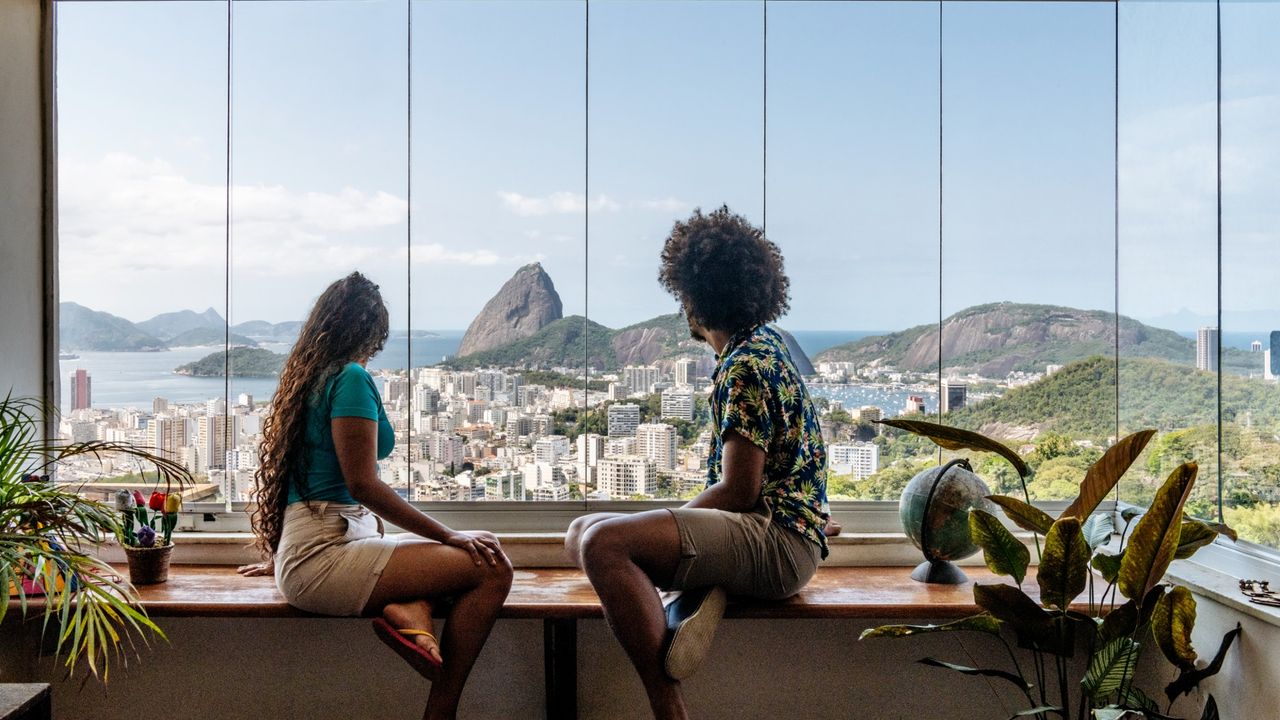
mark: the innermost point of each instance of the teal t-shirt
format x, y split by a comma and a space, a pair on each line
350, 393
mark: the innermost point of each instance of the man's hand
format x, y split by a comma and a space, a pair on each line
258, 569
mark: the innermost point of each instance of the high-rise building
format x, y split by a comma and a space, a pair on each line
639, 378
914, 404
954, 394
1273, 359
677, 402
686, 371
81, 390
870, 414
1207, 349
861, 459
1255, 346
626, 476
166, 435
213, 439
551, 448
623, 419
616, 446
590, 448
159, 406
657, 441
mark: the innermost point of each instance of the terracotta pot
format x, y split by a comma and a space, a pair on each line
148, 566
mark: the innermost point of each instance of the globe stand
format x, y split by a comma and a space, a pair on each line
941, 572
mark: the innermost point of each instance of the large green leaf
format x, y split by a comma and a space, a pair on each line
1187, 680
1126, 619
1132, 697
1002, 674
1111, 667
1010, 604
975, 623
1193, 536
1041, 710
1027, 517
1004, 553
1155, 539
1064, 564
1108, 565
1171, 624
1098, 529
951, 438
1103, 475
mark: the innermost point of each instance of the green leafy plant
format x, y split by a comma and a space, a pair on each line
46, 532
1071, 616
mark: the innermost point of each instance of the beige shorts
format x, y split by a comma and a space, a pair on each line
745, 553
330, 557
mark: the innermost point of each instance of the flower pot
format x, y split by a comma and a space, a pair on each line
148, 566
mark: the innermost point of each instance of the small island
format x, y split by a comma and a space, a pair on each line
244, 362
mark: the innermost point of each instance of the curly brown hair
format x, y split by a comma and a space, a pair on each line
724, 271
348, 323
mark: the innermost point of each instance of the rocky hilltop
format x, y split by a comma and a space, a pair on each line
80, 328
997, 338
168, 326
527, 303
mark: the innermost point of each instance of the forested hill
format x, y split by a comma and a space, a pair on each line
993, 340
1080, 400
245, 362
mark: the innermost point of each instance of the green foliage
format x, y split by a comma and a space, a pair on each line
244, 361
1070, 548
44, 528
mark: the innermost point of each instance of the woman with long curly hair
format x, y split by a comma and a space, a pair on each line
319, 506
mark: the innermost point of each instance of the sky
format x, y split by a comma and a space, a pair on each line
527, 145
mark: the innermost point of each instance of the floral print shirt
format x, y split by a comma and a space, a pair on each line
760, 395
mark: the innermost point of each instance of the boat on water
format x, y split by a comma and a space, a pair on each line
68, 356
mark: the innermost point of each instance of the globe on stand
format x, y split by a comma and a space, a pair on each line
935, 514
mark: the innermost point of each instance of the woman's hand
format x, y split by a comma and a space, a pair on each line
257, 569
481, 544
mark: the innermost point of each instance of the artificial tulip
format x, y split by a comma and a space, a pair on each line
124, 501
138, 500
172, 503
156, 502
146, 537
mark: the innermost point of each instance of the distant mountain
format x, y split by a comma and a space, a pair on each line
274, 332
80, 328
167, 326
209, 336
525, 304
994, 339
1079, 400
245, 362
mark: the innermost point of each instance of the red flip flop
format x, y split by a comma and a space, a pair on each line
399, 639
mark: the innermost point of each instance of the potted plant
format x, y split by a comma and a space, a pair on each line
146, 546
47, 531
1111, 633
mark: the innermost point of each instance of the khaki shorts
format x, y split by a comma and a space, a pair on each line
330, 557
744, 553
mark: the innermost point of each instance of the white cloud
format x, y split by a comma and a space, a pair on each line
126, 214
557, 203
667, 205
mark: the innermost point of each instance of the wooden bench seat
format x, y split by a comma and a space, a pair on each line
564, 593
562, 596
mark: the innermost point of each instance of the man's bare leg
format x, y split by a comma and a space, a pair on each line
624, 557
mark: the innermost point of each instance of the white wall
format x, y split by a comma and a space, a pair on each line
21, 192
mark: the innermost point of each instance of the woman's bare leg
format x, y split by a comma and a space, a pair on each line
422, 570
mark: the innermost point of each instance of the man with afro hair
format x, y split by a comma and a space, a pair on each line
757, 530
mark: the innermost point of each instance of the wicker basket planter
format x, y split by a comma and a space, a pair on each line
148, 565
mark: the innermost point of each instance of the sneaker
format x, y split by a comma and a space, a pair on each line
692, 621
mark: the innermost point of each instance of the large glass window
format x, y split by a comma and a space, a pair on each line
853, 203
142, 222
1250, 448
941, 178
1167, 278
